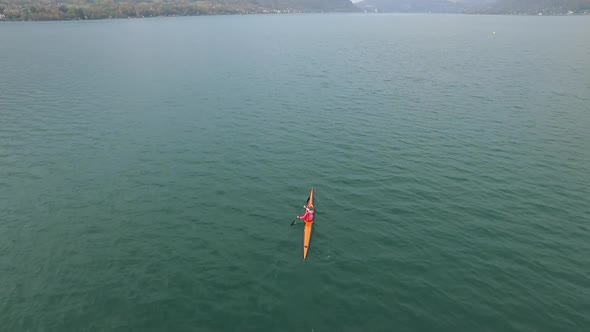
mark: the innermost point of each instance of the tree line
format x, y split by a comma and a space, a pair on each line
55, 11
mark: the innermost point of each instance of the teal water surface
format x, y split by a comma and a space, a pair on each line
149, 170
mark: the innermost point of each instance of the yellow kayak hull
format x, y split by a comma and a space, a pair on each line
308, 228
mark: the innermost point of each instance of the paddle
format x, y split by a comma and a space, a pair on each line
294, 220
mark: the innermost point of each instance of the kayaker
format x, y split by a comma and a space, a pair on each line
308, 216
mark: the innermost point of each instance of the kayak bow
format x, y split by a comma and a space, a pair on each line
308, 227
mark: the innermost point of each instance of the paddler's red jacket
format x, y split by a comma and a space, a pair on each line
308, 217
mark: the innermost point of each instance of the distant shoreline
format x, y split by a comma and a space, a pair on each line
71, 12
80, 14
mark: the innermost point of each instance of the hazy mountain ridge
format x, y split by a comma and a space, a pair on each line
556, 7
411, 6
534, 7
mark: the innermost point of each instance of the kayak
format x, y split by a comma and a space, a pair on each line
308, 227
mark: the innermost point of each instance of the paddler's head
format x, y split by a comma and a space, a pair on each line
309, 209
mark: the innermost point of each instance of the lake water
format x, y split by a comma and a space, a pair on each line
149, 170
